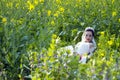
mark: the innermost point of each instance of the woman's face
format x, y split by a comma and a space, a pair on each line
88, 36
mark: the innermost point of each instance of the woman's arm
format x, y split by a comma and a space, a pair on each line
91, 49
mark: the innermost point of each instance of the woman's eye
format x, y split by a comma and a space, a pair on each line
90, 35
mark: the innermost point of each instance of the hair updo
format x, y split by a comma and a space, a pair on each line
90, 29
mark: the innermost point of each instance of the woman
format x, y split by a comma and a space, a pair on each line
86, 47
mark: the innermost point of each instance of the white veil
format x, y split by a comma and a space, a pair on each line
83, 36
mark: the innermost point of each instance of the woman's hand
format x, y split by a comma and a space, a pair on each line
91, 45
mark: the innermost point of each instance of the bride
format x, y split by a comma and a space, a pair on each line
85, 47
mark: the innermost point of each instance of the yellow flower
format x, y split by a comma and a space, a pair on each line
17, 5
82, 23
87, 1
49, 13
61, 9
12, 20
4, 20
58, 1
114, 13
54, 36
36, 2
110, 42
53, 40
78, 1
41, 1
108, 63
30, 5
20, 21
102, 54
119, 20
28, 2
76, 5
98, 44
50, 51
52, 46
56, 14
39, 13
113, 1
102, 33
9, 4
100, 62
52, 23
111, 59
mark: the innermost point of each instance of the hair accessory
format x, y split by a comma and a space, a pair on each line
89, 28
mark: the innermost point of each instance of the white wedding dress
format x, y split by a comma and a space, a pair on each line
82, 49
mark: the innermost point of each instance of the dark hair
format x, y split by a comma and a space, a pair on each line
90, 30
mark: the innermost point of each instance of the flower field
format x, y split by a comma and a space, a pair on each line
32, 31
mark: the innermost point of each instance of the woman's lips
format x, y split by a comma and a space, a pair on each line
88, 39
